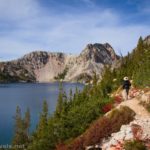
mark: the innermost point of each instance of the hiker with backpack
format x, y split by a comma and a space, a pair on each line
126, 86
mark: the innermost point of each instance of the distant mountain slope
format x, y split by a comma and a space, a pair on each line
147, 40
92, 59
42, 66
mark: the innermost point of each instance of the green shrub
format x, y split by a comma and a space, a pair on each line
134, 145
61, 75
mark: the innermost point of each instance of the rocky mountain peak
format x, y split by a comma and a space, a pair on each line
35, 59
147, 40
99, 53
108, 46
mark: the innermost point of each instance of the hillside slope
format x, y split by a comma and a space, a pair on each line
101, 133
141, 124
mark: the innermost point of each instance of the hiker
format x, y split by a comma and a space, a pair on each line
126, 87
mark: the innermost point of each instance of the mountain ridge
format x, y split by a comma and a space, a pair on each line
43, 66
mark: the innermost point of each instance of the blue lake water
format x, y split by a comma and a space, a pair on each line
27, 95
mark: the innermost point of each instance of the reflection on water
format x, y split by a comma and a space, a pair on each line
27, 95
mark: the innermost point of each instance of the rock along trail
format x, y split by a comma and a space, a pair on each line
134, 104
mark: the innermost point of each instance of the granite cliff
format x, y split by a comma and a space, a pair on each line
42, 66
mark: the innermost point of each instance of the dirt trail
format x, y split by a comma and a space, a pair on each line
136, 107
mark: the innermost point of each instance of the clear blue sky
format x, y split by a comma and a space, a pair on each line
69, 25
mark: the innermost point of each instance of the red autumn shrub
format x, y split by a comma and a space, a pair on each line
118, 99
137, 131
61, 146
103, 128
97, 131
147, 144
107, 108
77, 144
118, 146
133, 92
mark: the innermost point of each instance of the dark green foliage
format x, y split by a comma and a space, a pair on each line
43, 123
9, 75
40, 137
84, 77
135, 65
139, 63
134, 145
27, 121
4, 78
21, 135
106, 84
80, 112
72, 117
142, 74
61, 75
60, 102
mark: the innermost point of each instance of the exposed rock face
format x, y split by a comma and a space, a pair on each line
92, 59
127, 133
99, 53
147, 40
54, 66
41, 66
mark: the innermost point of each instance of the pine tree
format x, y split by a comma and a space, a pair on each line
140, 44
95, 78
43, 122
21, 135
17, 139
59, 106
65, 103
106, 84
40, 138
142, 71
27, 122
70, 95
137, 55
